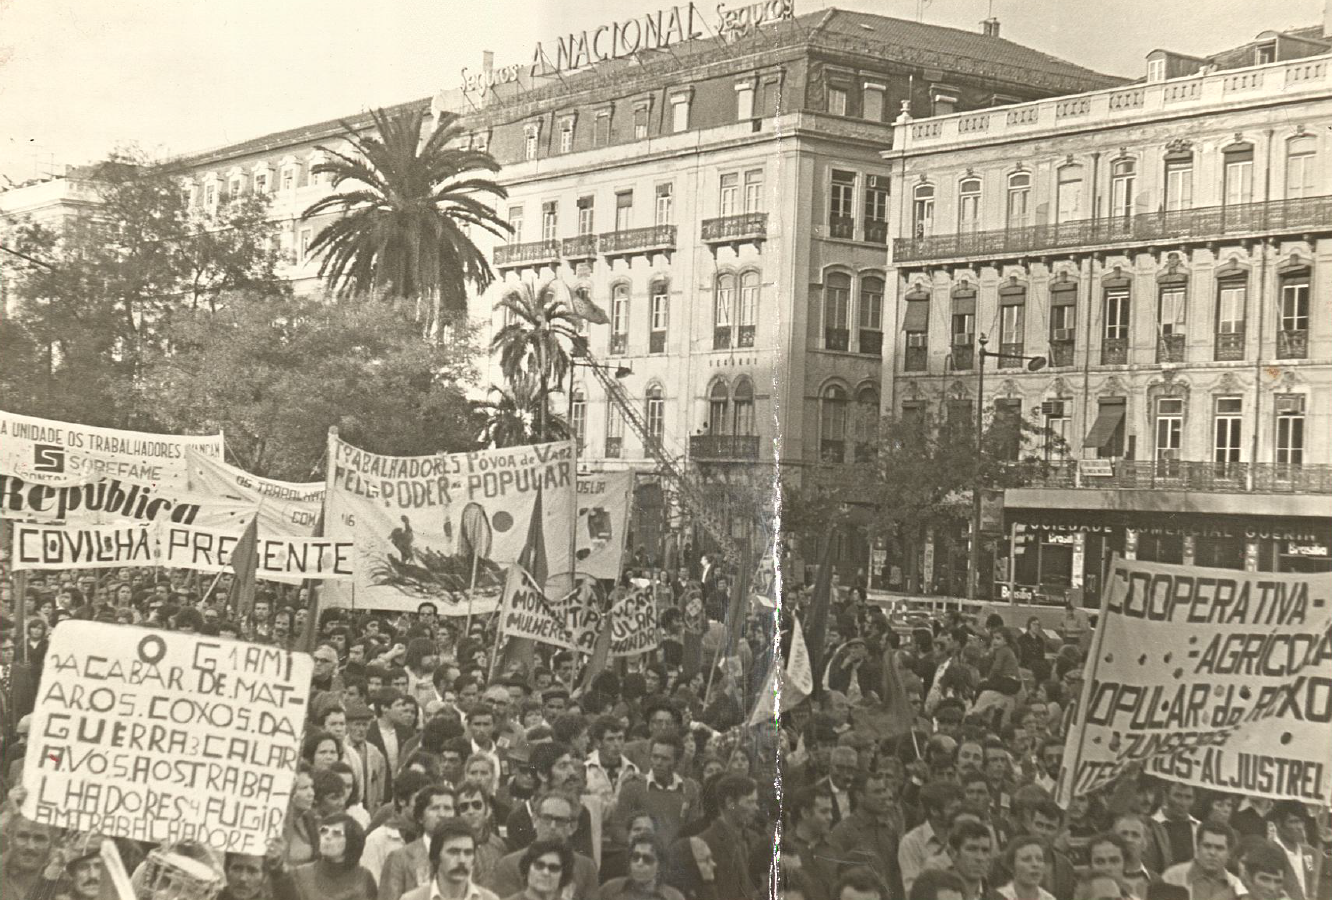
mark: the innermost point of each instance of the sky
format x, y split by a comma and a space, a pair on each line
79, 78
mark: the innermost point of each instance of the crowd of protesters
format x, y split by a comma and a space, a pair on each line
436, 765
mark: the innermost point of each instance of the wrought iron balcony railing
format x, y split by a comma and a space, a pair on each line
736, 229
1306, 214
1293, 344
1114, 352
533, 253
638, 240
871, 342
841, 227
1175, 474
705, 447
1230, 346
1061, 353
581, 247
876, 232
1170, 348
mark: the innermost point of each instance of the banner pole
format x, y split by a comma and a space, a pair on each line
20, 609
471, 592
1073, 756
312, 617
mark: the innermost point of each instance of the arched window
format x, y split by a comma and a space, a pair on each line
578, 417
1068, 206
1301, 156
619, 339
719, 410
832, 424
922, 210
722, 303
1019, 200
1123, 177
656, 413
867, 422
837, 311
747, 314
742, 402
871, 315
968, 205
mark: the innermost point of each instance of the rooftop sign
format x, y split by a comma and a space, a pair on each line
653, 31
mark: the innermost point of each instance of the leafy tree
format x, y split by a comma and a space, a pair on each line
512, 416
539, 340
404, 219
275, 374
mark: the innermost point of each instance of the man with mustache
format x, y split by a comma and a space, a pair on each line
452, 855
26, 851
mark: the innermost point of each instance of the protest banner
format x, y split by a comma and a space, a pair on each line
1212, 677
51, 452
525, 613
98, 501
604, 500
582, 612
290, 559
420, 523
634, 623
285, 507
165, 737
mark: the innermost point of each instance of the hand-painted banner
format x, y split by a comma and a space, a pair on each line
604, 499
51, 452
107, 500
525, 612
166, 737
1213, 677
416, 521
290, 559
582, 612
284, 507
634, 623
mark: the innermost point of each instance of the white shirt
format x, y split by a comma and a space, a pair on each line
378, 845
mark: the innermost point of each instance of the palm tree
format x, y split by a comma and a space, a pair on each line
511, 416
540, 339
403, 228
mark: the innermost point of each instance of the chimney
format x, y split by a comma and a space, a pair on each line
488, 61
990, 26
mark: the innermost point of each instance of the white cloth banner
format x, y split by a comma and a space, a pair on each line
101, 501
525, 612
634, 623
51, 452
165, 737
290, 559
285, 507
604, 499
1213, 677
416, 520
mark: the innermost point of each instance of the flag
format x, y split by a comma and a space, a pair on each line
799, 672
796, 680
532, 560
899, 715
244, 562
597, 661
819, 610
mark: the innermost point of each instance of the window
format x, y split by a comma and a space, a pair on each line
743, 405
1123, 175
964, 329
641, 113
916, 324
1239, 175
1106, 436
614, 432
867, 423
968, 205
1231, 300
1007, 427
753, 190
1265, 54
836, 311
1290, 430
234, 189
1179, 183
876, 209
1171, 309
837, 101
841, 204
578, 418
747, 314
1063, 315
730, 194
656, 414
307, 235
516, 224
1019, 200
1058, 428
832, 424
619, 317
922, 210
531, 142
288, 178
1069, 206
719, 408
1156, 70
1227, 429
744, 101
1116, 314
1295, 302
601, 129
550, 213
1169, 429
724, 297
871, 315
1300, 159
566, 135
665, 215
679, 114
624, 210
210, 195
1012, 331
874, 102
261, 183
659, 314
585, 215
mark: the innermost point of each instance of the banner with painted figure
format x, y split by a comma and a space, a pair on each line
285, 507
423, 526
101, 501
50, 452
1212, 677
153, 544
166, 737
604, 499
634, 622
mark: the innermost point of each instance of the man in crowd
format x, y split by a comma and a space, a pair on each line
555, 819
452, 857
1206, 876
409, 866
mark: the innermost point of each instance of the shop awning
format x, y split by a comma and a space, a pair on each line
917, 316
1104, 428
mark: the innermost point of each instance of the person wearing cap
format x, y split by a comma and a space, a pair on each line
368, 760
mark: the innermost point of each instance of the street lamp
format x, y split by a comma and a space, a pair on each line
1034, 364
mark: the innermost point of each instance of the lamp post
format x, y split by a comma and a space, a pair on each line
1034, 364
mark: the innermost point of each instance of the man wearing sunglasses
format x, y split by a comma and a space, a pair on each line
555, 819
474, 809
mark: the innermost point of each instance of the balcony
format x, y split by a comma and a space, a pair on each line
871, 342
964, 356
1230, 346
836, 339
1209, 477
744, 336
832, 451
1201, 225
619, 344
1170, 348
1114, 352
614, 447
915, 359
533, 253
842, 227
721, 337
1061, 353
1293, 344
582, 248
747, 228
720, 447
638, 241
1009, 358
876, 232
657, 342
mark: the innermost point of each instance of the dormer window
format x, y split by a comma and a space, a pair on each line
531, 140
234, 188
1265, 53
288, 178
1156, 69
261, 182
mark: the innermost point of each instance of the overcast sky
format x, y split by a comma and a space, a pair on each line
80, 77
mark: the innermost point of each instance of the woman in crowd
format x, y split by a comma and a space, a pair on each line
644, 879
1025, 858
301, 830
336, 872
546, 868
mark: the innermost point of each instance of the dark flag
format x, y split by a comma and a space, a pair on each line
245, 562
816, 621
